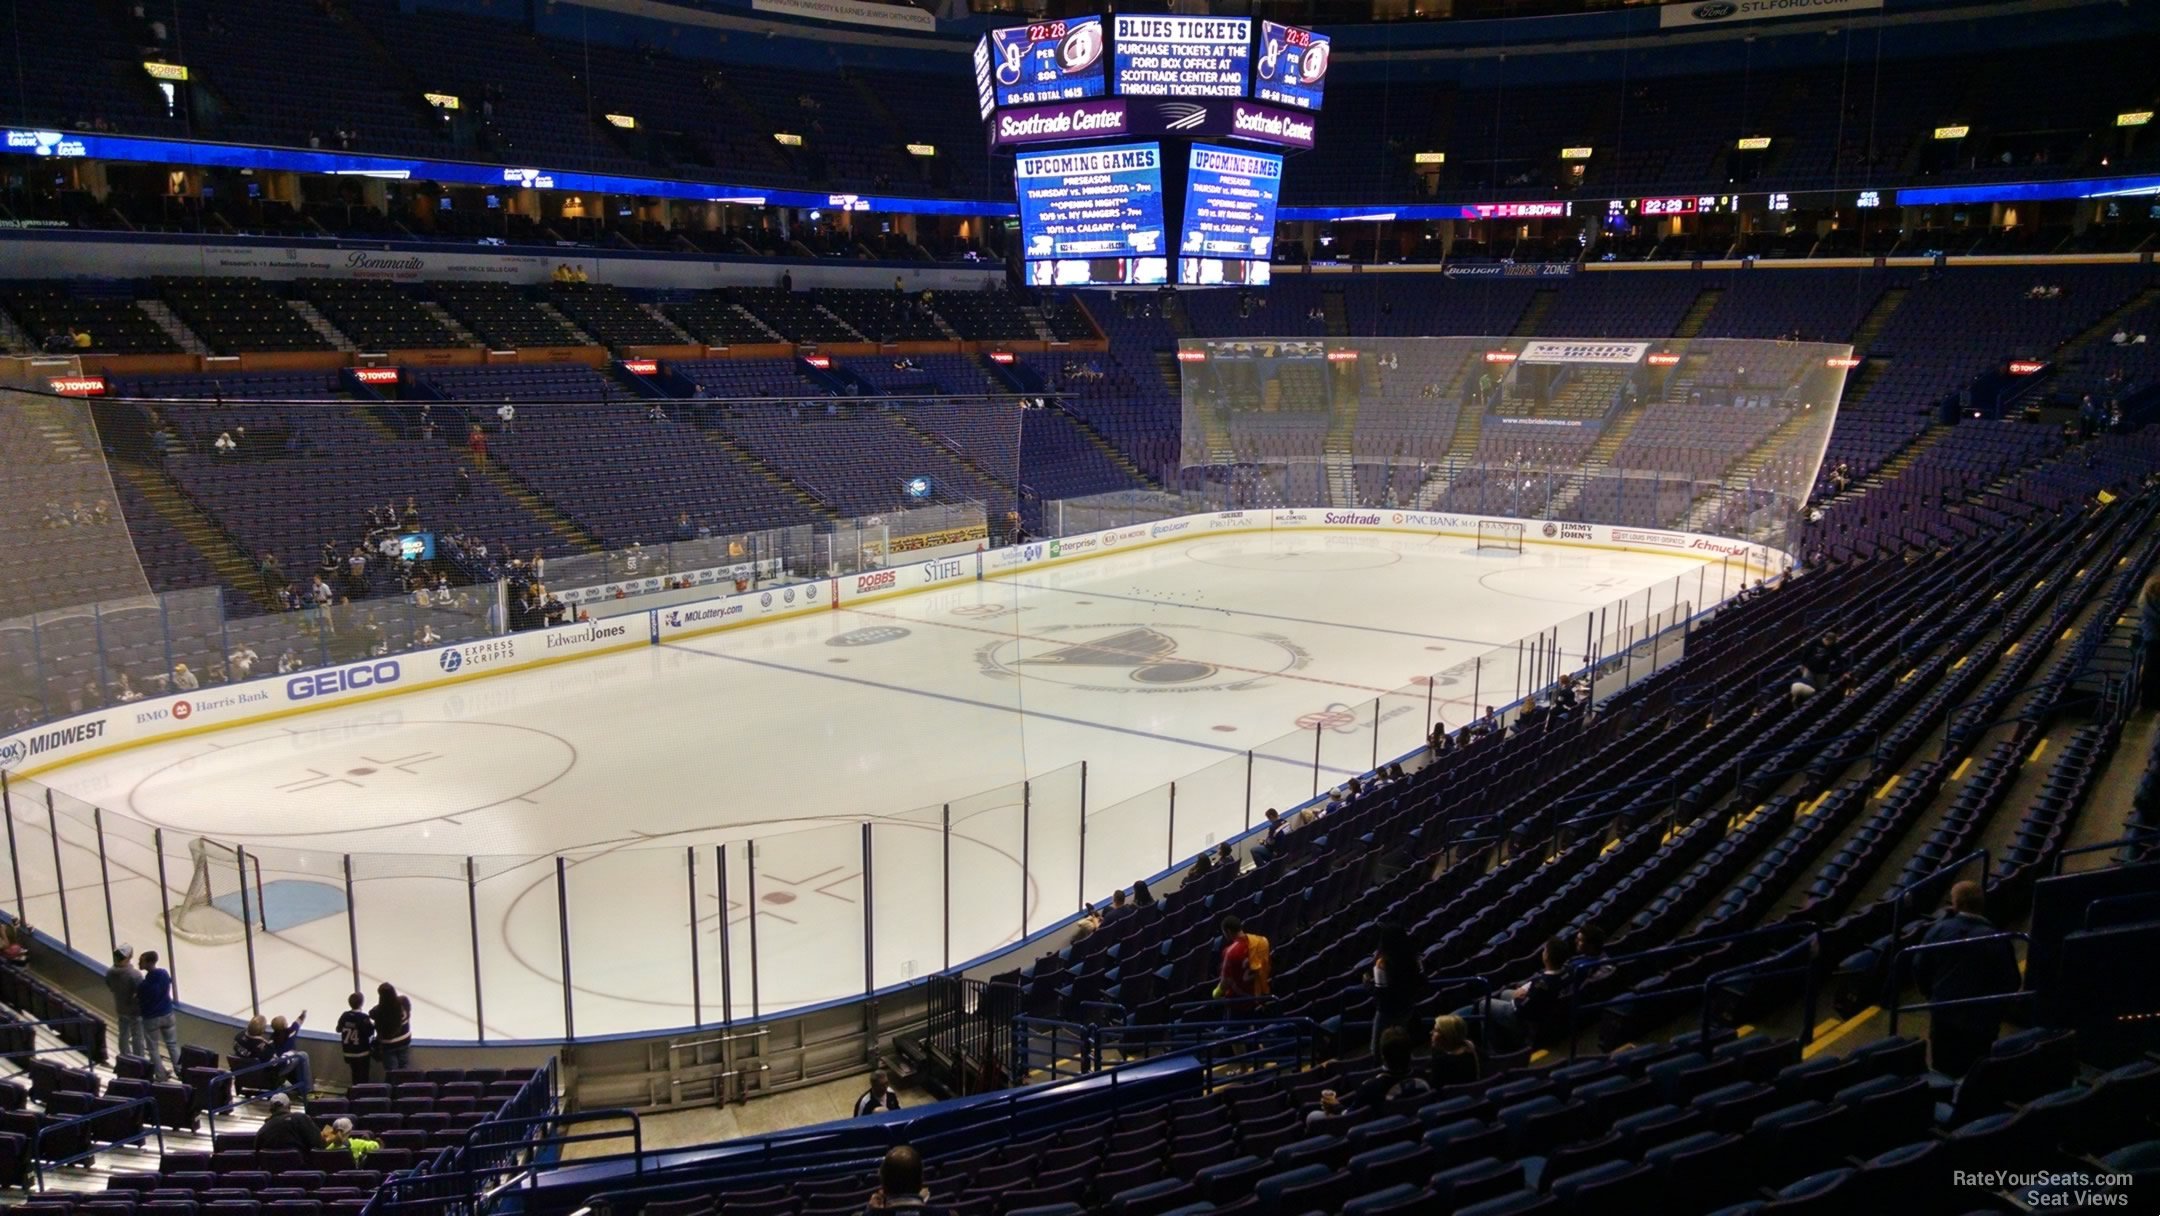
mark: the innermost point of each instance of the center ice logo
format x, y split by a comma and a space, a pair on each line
1134, 657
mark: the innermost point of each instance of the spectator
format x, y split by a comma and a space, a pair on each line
1514, 1013
476, 445
1201, 866
1142, 898
461, 487
1397, 1080
341, 1135
1398, 984
253, 1044
1958, 1036
900, 1183
287, 1129
184, 680
1822, 660
1272, 839
880, 1097
122, 980
1439, 740
356, 1038
1247, 967
155, 999
393, 1028
1454, 1059
224, 445
1118, 909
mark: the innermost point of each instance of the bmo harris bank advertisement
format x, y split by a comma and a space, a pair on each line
1091, 203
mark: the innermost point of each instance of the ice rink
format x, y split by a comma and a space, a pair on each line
1218, 663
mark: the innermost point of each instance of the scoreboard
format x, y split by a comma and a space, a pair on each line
1091, 202
1293, 66
1165, 56
1049, 61
1096, 214
1230, 198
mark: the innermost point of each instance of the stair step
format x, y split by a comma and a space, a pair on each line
653, 311
321, 324
442, 316
174, 327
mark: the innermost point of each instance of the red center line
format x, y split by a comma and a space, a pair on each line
1062, 643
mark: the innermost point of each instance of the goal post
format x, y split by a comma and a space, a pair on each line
215, 874
1499, 534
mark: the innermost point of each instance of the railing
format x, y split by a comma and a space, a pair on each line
247, 1097
1579, 968
451, 1179
862, 1143
1276, 1041
1902, 962
147, 1129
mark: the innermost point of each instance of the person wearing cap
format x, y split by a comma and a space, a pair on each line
286, 1128
341, 1135
122, 979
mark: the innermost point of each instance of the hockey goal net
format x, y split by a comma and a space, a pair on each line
1499, 534
218, 895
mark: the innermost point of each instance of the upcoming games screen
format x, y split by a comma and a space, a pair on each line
1165, 56
1293, 66
1094, 204
1048, 61
1230, 197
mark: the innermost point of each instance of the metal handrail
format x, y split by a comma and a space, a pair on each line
2140, 834
1578, 967
239, 1099
1003, 1105
150, 1128
1903, 956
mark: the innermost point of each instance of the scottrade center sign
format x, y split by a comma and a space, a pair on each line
1172, 117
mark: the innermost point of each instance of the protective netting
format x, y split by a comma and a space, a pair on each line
63, 538
1703, 435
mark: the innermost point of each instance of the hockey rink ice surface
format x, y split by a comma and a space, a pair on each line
1167, 664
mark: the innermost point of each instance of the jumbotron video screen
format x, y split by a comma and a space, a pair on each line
1120, 128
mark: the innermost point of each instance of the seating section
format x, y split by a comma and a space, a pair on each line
609, 314
240, 314
96, 1134
717, 320
51, 314
795, 314
505, 317
379, 316
883, 316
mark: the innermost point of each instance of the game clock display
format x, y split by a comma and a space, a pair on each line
1091, 202
1293, 66
1048, 61
1164, 56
